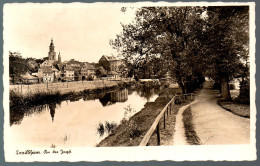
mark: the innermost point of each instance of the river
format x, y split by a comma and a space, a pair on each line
75, 123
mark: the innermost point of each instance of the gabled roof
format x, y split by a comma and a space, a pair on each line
88, 66
109, 58
47, 69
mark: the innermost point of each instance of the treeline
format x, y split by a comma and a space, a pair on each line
19, 65
189, 42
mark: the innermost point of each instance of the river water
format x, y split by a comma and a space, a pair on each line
75, 123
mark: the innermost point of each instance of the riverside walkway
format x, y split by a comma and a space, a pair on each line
213, 124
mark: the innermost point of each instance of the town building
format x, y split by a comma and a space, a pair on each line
110, 63
87, 69
67, 73
46, 74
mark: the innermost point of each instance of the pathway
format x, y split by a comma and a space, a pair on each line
213, 124
179, 131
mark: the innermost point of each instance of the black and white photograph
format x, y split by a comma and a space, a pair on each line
129, 81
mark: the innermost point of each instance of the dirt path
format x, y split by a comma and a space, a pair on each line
213, 124
179, 131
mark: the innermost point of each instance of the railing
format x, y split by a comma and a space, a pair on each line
156, 124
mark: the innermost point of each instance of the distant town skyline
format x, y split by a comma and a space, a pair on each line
79, 31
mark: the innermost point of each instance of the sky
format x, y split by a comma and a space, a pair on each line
79, 31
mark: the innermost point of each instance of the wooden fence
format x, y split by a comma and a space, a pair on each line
156, 124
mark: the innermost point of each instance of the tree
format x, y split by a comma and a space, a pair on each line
17, 65
164, 33
226, 43
101, 72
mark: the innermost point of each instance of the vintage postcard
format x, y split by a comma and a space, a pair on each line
129, 81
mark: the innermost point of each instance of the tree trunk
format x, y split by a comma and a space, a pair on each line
225, 93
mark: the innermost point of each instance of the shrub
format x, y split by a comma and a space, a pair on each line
110, 126
101, 129
134, 130
90, 78
244, 95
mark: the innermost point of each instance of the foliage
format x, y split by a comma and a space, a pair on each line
101, 129
107, 128
90, 78
244, 96
226, 40
101, 72
19, 100
159, 40
191, 42
17, 65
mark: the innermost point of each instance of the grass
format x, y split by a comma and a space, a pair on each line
131, 132
190, 132
242, 110
19, 101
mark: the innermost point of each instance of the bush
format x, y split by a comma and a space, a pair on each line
244, 95
18, 100
134, 130
101, 129
90, 78
110, 126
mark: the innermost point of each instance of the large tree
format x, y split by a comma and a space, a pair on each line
226, 43
194, 41
165, 33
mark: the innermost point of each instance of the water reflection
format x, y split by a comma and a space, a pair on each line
52, 108
74, 122
113, 97
119, 96
106, 99
147, 91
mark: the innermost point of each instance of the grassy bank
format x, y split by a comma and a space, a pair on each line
168, 133
20, 100
190, 133
131, 132
242, 110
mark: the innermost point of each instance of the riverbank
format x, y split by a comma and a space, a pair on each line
131, 132
39, 95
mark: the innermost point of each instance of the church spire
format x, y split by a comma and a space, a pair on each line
52, 53
59, 58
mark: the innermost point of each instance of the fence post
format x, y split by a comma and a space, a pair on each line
164, 120
167, 110
158, 134
170, 108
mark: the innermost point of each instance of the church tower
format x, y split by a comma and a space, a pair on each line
59, 58
52, 53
